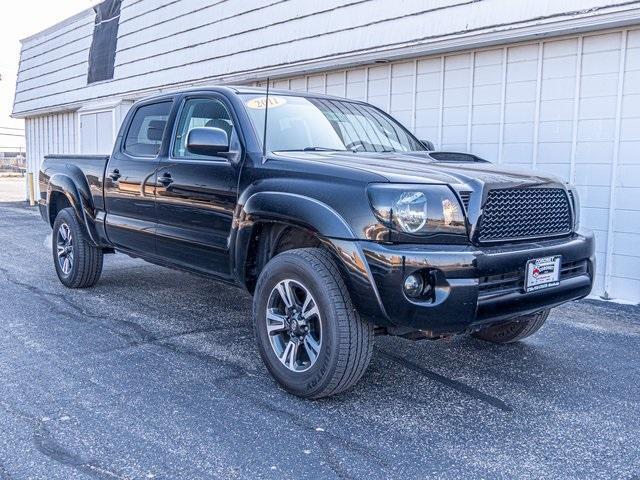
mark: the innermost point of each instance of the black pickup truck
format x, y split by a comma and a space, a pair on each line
341, 224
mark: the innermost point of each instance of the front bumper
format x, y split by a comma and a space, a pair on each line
475, 286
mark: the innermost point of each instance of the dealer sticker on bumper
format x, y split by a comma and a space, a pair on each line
542, 273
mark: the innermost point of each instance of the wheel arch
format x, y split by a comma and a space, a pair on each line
63, 192
271, 222
266, 239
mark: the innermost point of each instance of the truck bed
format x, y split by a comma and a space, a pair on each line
87, 169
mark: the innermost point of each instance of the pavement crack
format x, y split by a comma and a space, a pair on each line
16, 412
449, 382
79, 314
234, 368
327, 440
48, 446
159, 340
138, 334
4, 473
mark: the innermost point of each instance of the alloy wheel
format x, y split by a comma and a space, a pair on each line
294, 325
64, 244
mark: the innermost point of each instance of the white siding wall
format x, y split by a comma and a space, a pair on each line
91, 131
164, 43
47, 135
569, 107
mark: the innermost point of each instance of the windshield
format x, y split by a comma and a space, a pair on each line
299, 123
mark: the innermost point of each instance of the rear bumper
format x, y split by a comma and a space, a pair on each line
475, 286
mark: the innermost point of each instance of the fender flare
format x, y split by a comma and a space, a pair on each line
301, 211
79, 196
298, 210
288, 208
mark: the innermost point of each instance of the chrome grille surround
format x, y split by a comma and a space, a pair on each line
524, 213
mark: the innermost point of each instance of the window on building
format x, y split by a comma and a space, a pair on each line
147, 129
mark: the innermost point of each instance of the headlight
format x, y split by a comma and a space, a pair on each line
411, 211
417, 209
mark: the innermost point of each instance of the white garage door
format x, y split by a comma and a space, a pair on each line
96, 132
568, 106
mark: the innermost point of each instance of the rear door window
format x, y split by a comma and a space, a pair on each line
145, 134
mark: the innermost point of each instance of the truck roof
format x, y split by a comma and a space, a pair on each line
242, 89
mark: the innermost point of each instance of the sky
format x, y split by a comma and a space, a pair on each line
19, 20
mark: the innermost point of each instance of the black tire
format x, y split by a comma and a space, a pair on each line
517, 329
86, 259
347, 340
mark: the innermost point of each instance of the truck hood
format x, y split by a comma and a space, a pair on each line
419, 167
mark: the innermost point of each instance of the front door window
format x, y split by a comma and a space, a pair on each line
200, 112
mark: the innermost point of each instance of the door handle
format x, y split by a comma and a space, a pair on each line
115, 175
165, 179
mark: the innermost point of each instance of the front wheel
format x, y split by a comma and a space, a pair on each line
517, 329
78, 262
309, 335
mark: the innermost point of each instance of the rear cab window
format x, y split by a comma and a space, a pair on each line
144, 136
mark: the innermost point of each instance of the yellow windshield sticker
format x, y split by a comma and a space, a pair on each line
260, 102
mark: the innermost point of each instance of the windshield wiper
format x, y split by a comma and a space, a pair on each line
373, 151
322, 149
313, 149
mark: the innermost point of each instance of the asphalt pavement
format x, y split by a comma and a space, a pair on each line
154, 373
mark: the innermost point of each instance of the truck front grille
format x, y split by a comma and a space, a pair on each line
522, 213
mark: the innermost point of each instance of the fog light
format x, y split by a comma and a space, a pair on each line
413, 285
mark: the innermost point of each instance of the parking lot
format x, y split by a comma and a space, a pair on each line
12, 188
155, 374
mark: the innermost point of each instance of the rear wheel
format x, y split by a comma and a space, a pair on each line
309, 335
77, 261
517, 329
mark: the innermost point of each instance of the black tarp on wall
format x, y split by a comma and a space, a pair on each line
102, 55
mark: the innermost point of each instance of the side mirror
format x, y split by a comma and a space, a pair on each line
207, 141
428, 145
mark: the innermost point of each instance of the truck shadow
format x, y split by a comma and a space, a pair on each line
220, 316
